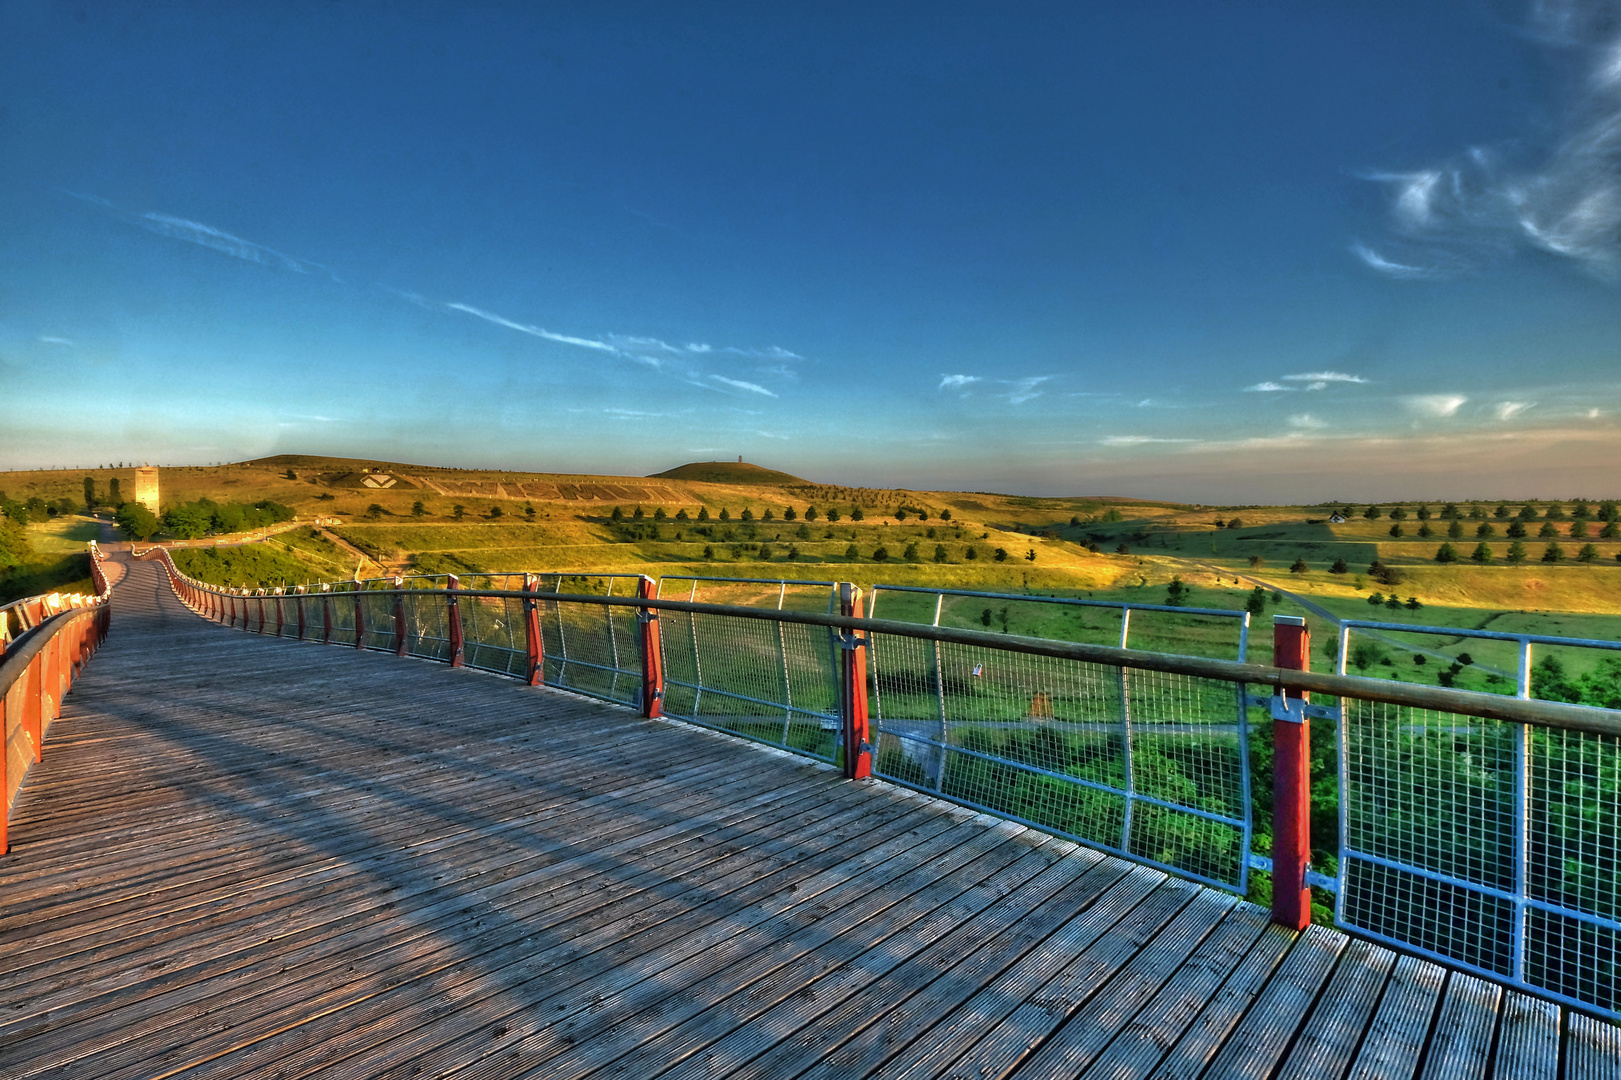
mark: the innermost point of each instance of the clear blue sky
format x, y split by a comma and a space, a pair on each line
1239, 252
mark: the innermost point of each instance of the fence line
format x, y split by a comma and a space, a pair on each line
1476, 828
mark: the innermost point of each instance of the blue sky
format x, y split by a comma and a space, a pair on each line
1243, 252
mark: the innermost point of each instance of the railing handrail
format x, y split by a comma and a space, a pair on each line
1549, 714
1231, 613
15, 661
1487, 635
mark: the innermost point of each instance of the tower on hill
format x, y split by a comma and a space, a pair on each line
146, 487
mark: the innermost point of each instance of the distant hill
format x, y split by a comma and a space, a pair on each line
728, 472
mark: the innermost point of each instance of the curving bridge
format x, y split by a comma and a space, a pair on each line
250, 857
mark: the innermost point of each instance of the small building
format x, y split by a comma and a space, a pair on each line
1336, 519
146, 487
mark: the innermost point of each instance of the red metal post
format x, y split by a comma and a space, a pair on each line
278, 614
34, 704
853, 688
5, 779
1291, 779
399, 617
326, 616
652, 652
261, 611
453, 621
531, 628
301, 593
360, 619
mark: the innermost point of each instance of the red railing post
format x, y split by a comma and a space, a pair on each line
651, 650
5, 778
360, 617
278, 594
853, 688
34, 704
399, 616
531, 630
326, 614
261, 599
453, 621
300, 592
1291, 779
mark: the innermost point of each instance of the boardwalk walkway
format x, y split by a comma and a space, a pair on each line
245, 857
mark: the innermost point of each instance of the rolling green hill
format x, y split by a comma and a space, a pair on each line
729, 472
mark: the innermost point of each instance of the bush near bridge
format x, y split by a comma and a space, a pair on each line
192, 520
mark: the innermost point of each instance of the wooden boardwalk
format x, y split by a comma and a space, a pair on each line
245, 857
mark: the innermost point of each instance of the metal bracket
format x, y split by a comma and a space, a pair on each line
1313, 878
1289, 710
647, 616
850, 641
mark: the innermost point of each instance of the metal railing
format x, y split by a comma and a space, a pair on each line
38, 667
1477, 828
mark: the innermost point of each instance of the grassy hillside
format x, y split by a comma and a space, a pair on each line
729, 472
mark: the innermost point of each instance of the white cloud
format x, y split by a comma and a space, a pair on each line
771, 434
1386, 266
48, 340
1307, 421
1024, 389
1437, 405
1461, 214
1325, 377
1266, 388
753, 388
195, 232
1593, 414
1508, 410
697, 347
1138, 440
535, 331
958, 383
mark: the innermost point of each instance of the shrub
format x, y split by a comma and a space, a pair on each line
1485, 530
765, 553
1298, 567
1446, 553
1482, 553
945, 515
940, 553
1176, 593
659, 514
1549, 529
1256, 561
709, 551
1553, 553
810, 513
1516, 552
459, 511
833, 513
1236, 523
852, 553
1256, 604
911, 553
855, 515
1589, 553
496, 511
971, 553
1000, 554
1339, 567
703, 513
618, 514
1396, 530
880, 555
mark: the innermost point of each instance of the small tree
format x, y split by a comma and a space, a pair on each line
1516, 530
637, 514
417, 509
529, 511
765, 553
1298, 566
496, 511
1527, 513
1581, 511
1371, 512
725, 514
945, 515
459, 511
1589, 553
1393, 602
1000, 554
682, 515
1446, 553
911, 553
136, 521
1175, 593
985, 617
769, 515
115, 497
1425, 531
1553, 553
1398, 513
1450, 511
1256, 604
1396, 530
1555, 512
856, 515
1485, 530
1339, 567
1501, 511
1236, 523
374, 511
851, 553
971, 553
89, 492
900, 514
940, 553
810, 513
659, 514
1413, 604
1422, 513
1256, 561
1455, 529
1516, 553
1578, 529
832, 513
618, 514
291, 475
1611, 530
880, 555
793, 552
1375, 599
709, 552
1482, 553
1549, 529
703, 513
789, 514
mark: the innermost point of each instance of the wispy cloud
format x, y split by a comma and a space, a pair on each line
1436, 405
1267, 388
1024, 390
1307, 422
1138, 440
1461, 214
739, 384
958, 384
771, 435
1390, 267
49, 340
195, 232
1325, 377
1508, 410
534, 331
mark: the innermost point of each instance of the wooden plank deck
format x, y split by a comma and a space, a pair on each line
244, 857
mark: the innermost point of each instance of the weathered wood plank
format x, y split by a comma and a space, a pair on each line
1528, 1044
1396, 1037
1592, 1049
1254, 1048
1462, 1041
1328, 1042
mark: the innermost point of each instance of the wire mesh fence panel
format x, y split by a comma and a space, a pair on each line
341, 606
1485, 843
427, 630
776, 683
377, 616
783, 595
1151, 765
592, 649
1218, 634
493, 635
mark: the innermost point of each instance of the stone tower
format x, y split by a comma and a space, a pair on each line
146, 487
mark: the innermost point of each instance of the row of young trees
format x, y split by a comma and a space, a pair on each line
1581, 510
1515, 530
912, 553
810, 513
